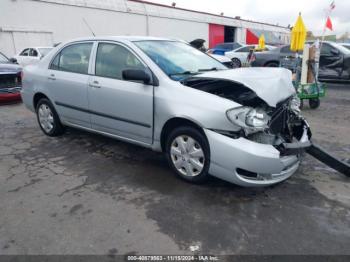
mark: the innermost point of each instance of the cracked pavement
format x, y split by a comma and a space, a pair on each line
87, 194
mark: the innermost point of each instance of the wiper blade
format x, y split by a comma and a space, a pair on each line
183, 73
208, 69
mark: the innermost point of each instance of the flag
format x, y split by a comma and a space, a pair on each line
332, 6
329, 24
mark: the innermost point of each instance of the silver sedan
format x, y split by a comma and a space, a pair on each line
240, 125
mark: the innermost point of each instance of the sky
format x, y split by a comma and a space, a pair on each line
282, 12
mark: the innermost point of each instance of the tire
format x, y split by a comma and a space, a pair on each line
192, 167
314, 103
272, 64
236, 62
48, 119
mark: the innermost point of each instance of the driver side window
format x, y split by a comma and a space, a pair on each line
327, 50
25, 52
112, 59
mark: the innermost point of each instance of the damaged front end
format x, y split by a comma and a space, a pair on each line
281, 126
286, 130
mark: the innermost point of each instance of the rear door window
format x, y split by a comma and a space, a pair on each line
326, 49
245, 49
33, 52
286, 50
74, 58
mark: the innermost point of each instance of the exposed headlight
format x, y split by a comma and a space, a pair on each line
250, 119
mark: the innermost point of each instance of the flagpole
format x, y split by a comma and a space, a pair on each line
328, 12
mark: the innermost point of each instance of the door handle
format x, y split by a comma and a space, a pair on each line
95, 84
52, 77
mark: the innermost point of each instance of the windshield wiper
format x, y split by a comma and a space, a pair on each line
183, 73
208, 69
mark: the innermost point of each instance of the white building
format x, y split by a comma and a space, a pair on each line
26, 23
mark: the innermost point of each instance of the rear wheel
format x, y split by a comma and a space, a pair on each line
48, 119
236, 63
188, 154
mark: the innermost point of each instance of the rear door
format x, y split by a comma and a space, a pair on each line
33, 56
67, 82
120, 107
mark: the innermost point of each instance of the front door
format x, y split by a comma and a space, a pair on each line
119, 107
331, 62
67, 82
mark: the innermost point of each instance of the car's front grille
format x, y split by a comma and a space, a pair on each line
10, 80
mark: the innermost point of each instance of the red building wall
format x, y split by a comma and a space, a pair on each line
251, 38
216, 34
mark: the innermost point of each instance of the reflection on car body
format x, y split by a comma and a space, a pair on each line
241, 125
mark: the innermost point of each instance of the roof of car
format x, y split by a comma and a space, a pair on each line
122, 38
37, 47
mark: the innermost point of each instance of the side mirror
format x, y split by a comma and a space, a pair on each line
137, 75
334, 51
13, 60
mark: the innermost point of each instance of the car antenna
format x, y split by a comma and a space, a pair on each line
88, 26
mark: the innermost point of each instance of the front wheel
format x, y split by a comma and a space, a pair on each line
236, 63
188, 154
48, 119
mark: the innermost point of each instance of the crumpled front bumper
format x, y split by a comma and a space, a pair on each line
239, 160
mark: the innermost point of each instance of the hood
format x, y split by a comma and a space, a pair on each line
272, 85
9, 68
221, 58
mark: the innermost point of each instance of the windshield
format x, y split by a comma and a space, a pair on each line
3, 59
347, 46
341, 48
178, 59
44, 51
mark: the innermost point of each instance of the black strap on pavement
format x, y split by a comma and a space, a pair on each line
331, 161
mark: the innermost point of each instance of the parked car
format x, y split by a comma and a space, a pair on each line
334, 60
239, 55
220, 49
10, 80
241, 125
273, 57
31, 55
